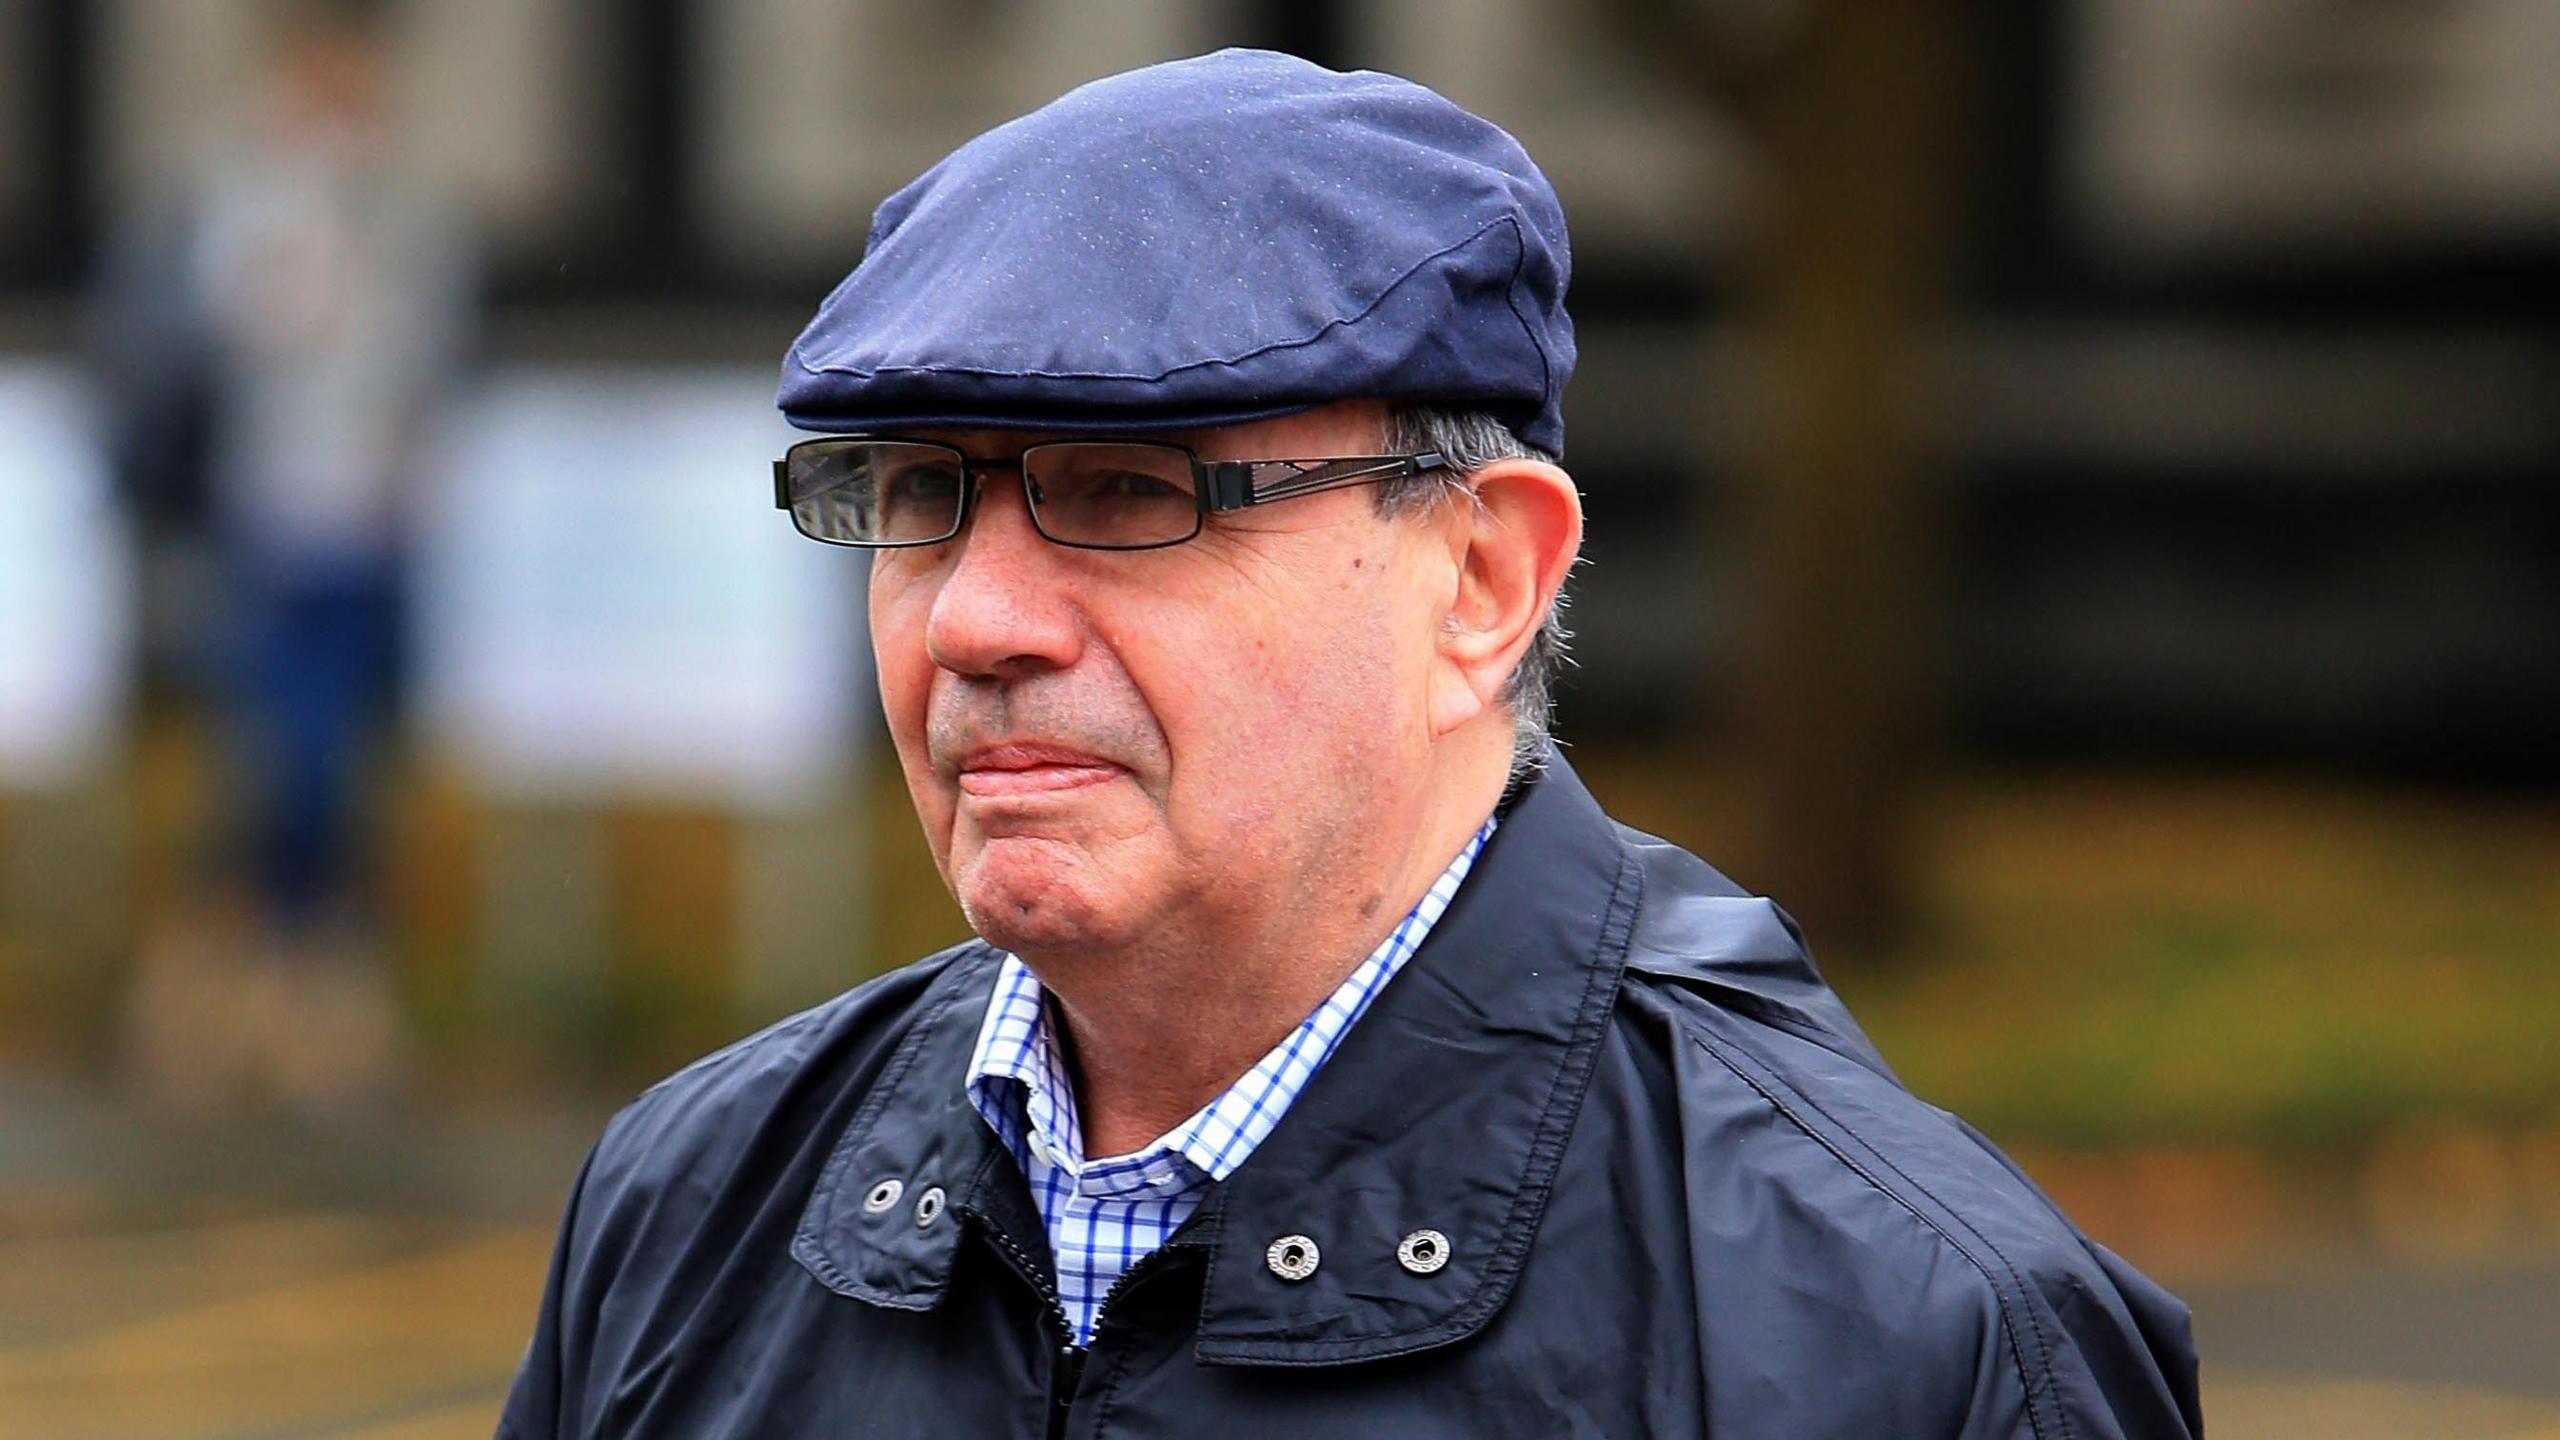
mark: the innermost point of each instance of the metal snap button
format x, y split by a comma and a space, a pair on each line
1423, 1251
1292, 1257
883, 1195
928, 1206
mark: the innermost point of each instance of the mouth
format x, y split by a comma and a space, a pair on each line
1026, 768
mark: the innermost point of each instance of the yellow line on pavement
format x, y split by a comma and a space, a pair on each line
57, 1287
474, 1421
2289, 1407
351, 1344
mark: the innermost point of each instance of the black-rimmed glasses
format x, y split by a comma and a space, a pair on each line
883, 493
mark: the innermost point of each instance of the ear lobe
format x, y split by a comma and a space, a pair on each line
1522, 533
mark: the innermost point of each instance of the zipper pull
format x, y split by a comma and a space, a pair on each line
1064, 1377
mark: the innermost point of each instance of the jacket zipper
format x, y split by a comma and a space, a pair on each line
1066, 1369
1066, 1373
1138, 1269
1064, 1377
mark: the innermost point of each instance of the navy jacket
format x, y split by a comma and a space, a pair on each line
1681, 1196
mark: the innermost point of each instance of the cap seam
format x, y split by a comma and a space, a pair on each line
1509, 217
1548, 399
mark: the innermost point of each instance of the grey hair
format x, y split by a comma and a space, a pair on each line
1470, 440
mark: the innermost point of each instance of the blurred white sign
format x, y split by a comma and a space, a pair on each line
2215, 125
66, 584
610, 605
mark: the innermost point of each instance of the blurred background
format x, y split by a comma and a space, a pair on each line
2072, 515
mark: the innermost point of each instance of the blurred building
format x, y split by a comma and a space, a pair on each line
2243, 414
2251, 391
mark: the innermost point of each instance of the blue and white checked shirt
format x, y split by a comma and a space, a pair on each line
1104, 1214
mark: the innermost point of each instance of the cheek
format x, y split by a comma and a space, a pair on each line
906, 694
905, 672
1378, 674
1299, 703
1363, 684
899, 609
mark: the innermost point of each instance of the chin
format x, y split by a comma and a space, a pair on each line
1034, 904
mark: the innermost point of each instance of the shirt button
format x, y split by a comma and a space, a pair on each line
1423, 1251
928, 1206
883, 1195
1292, 1257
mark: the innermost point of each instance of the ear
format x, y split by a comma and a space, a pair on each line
1514, 543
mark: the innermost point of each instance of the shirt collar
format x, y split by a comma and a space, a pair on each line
1018, 1080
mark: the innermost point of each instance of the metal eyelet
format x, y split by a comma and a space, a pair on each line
928, 1206
1293, 1257
883, 1195
1423, 1251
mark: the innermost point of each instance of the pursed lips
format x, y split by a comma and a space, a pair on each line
1022, 768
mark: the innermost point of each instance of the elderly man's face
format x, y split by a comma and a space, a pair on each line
1108, 748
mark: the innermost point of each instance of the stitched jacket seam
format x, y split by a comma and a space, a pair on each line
2044, 1347
1106, 1403
2008, 1321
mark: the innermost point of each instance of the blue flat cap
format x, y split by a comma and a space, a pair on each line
1201, 243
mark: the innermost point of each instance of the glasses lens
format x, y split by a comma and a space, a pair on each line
876, 492
1112, 496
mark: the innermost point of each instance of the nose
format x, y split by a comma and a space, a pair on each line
1005, 606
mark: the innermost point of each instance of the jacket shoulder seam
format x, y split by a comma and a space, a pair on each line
2011, 1311
1759, 1010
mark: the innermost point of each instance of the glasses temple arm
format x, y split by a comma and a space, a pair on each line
1240, 486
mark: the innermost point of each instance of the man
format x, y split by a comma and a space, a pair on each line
280, 350
1328, 1063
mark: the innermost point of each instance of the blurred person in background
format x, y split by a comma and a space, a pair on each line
1328, 1062
277, 346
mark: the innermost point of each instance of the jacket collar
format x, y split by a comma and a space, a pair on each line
916, 1133
1446, 1108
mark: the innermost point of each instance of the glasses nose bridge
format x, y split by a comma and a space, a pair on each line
976, 470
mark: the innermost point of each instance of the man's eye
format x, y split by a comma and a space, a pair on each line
1138, 485
922, 482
